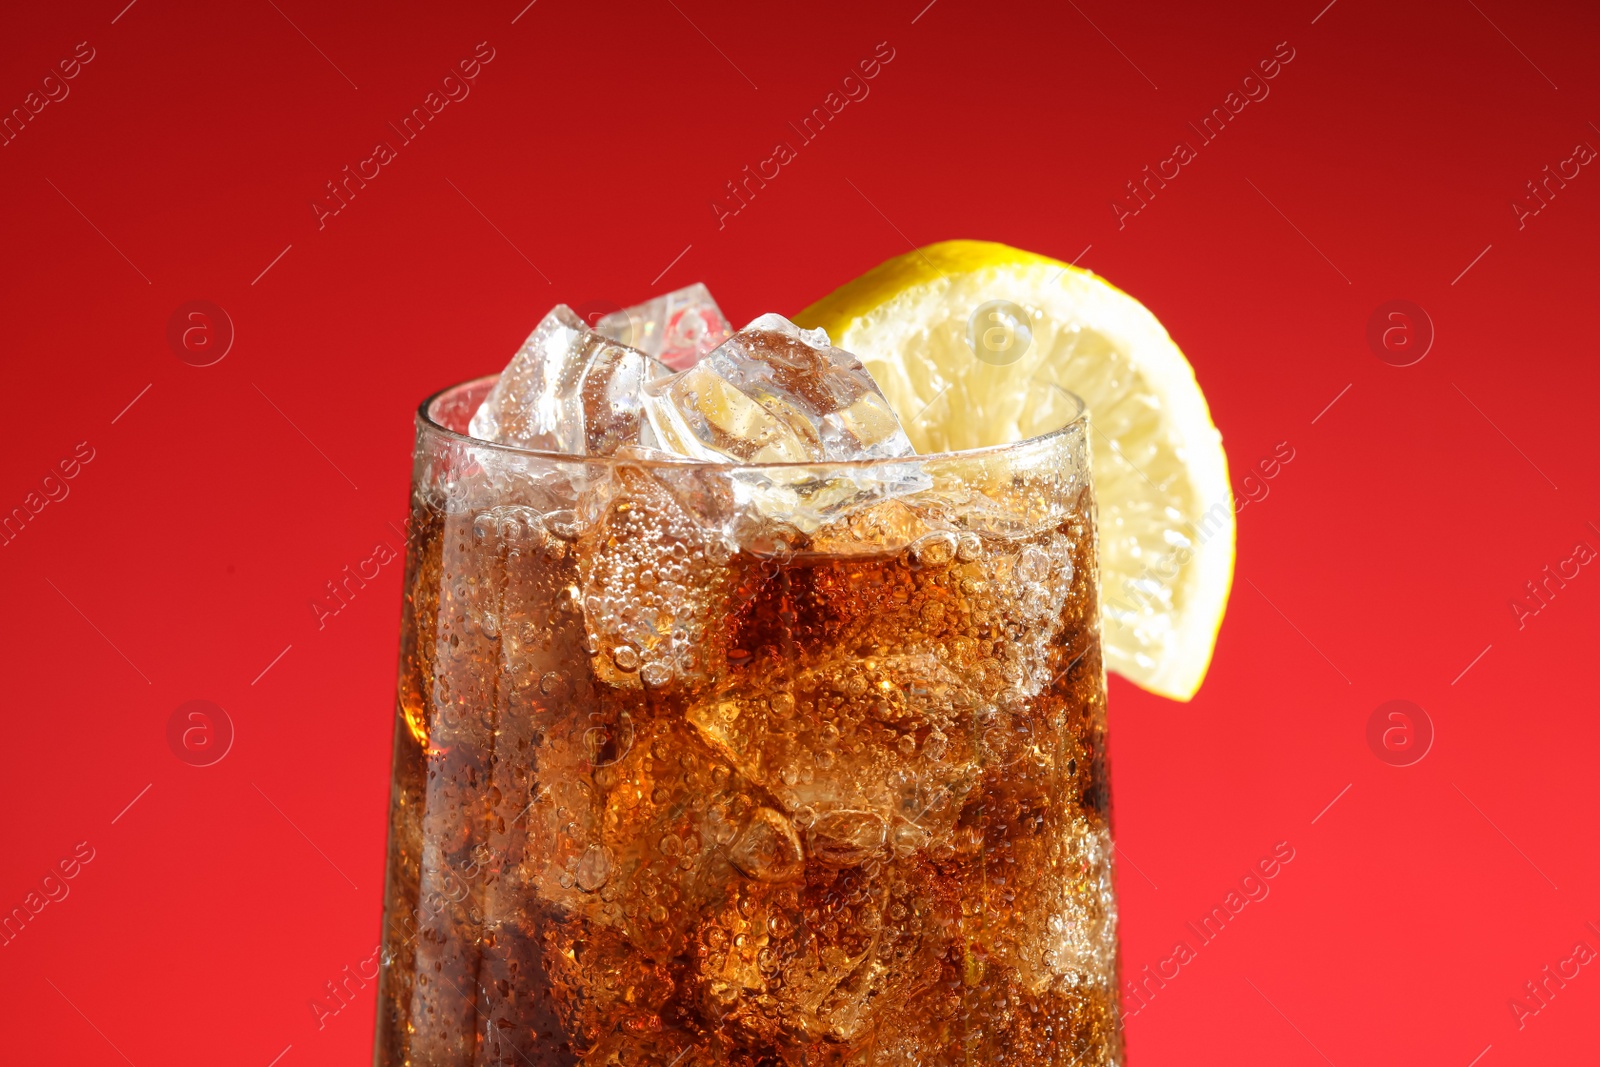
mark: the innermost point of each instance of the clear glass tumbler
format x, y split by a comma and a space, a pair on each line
725, 765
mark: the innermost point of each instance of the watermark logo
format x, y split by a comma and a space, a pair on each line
1400, 333
853, 88
342, 990
1543, 589
1252, 88
200, 333
349, 582
52, 490
1542, 188
1399, 733
52, 889
606, 743
53, 89
1253, 488
1252, 888
1537, 993
454, 87
998, 332
200, 733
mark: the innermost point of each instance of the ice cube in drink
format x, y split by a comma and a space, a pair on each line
568, 389
677, 328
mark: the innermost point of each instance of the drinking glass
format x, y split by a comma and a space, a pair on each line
704, 764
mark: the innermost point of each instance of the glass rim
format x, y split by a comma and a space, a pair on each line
425, 420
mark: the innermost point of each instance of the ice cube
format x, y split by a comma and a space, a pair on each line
654, 574
568, 389
858, 753
777, 394
677, 328
774, 393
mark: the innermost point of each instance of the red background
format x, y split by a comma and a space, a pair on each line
216, 507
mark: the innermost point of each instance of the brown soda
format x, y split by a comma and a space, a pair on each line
826, 798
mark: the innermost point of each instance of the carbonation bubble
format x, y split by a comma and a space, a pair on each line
846, 838
625, 657
523, 525
655, 675
969, 547
934, 550
1034, 564
593, 869
768, 848
564, 524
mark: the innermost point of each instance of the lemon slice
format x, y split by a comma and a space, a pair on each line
957, 332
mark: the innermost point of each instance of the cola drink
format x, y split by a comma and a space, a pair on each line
679, 781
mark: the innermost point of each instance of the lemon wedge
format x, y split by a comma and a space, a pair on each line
957, 333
